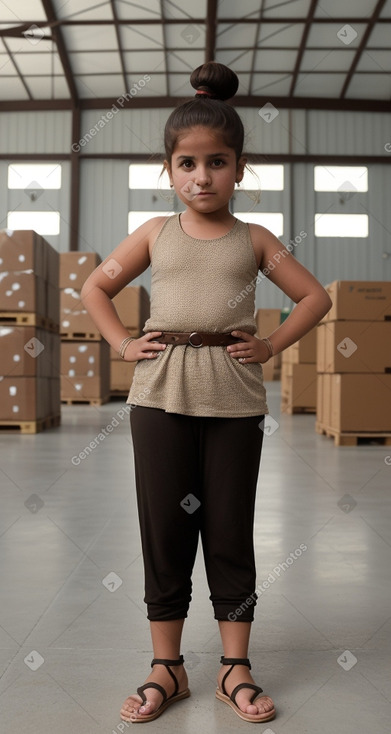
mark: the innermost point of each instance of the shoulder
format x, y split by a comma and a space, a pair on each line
262, 240
155, 225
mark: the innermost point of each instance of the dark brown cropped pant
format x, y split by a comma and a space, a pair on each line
196, 476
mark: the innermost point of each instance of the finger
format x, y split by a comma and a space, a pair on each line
242, 335
240, 351
152, 335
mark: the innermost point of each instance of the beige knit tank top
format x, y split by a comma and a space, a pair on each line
193, 288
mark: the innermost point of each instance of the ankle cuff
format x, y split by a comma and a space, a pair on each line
163, 661
235, 661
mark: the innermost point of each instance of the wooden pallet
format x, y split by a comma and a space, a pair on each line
352, 438
52, 421
19, 318
84, 401
295, 409
89, 336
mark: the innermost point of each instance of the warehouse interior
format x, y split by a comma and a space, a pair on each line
86, 87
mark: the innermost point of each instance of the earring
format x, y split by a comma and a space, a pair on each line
238, 183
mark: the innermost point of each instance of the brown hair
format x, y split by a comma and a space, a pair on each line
216, 83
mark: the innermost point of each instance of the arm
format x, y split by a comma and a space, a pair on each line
298, 284
126, 262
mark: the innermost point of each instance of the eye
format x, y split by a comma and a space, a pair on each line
187, 163
218, 163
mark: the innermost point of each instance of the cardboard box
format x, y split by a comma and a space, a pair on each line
133, 307
86, 359
272, 369
53, 303
27, 251
356, 402
121, 375
75, 267
29, 351
54, 396
23, 250
303, 351
267, 321
359, 300
298, 385
354, 346
323, 399
24, 398
74, 318
84, 388
23, 292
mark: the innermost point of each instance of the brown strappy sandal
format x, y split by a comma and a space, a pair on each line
167, 701
230, 700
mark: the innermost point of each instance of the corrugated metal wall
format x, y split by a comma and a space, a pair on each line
105, 197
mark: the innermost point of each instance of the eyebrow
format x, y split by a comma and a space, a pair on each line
211, 155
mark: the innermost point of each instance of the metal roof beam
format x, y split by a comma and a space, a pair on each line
120, 49
62, 52
211, 28
302, 46
362, 45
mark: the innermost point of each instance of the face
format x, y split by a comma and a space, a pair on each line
204, 170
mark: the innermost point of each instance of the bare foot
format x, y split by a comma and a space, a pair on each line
241, 674
132, 708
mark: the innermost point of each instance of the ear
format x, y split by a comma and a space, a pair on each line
240, 168
168, 169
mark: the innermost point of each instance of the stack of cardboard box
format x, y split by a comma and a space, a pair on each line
85, 356
268, 320
354, 362
29, 330
298, 376
133, 307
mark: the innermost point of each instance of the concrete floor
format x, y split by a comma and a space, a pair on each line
74, 638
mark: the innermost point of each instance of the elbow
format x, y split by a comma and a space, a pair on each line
83, 293
86, 290
325, 303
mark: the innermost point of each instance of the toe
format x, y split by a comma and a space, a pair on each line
265, 704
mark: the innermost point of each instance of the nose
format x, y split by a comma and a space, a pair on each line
202, 177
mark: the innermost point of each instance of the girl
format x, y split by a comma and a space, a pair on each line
198, 393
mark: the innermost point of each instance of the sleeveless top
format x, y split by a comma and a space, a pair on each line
194, 283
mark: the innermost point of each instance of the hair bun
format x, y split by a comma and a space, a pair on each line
217, 80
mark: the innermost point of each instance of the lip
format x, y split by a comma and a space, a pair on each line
206, 193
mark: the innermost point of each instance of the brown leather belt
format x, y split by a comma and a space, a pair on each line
196, 338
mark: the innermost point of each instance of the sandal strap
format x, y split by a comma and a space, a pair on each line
232, 662
158, 687
167, 663
239, 687
161, 661
235, 661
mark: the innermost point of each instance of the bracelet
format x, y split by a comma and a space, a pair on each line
269, 346
122, 347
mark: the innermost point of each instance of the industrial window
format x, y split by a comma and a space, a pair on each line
34, 176
271, 220
147, 176
341, 178
45, 223
341, 225
267, 178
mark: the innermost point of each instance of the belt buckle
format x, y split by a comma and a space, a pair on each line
198, 336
